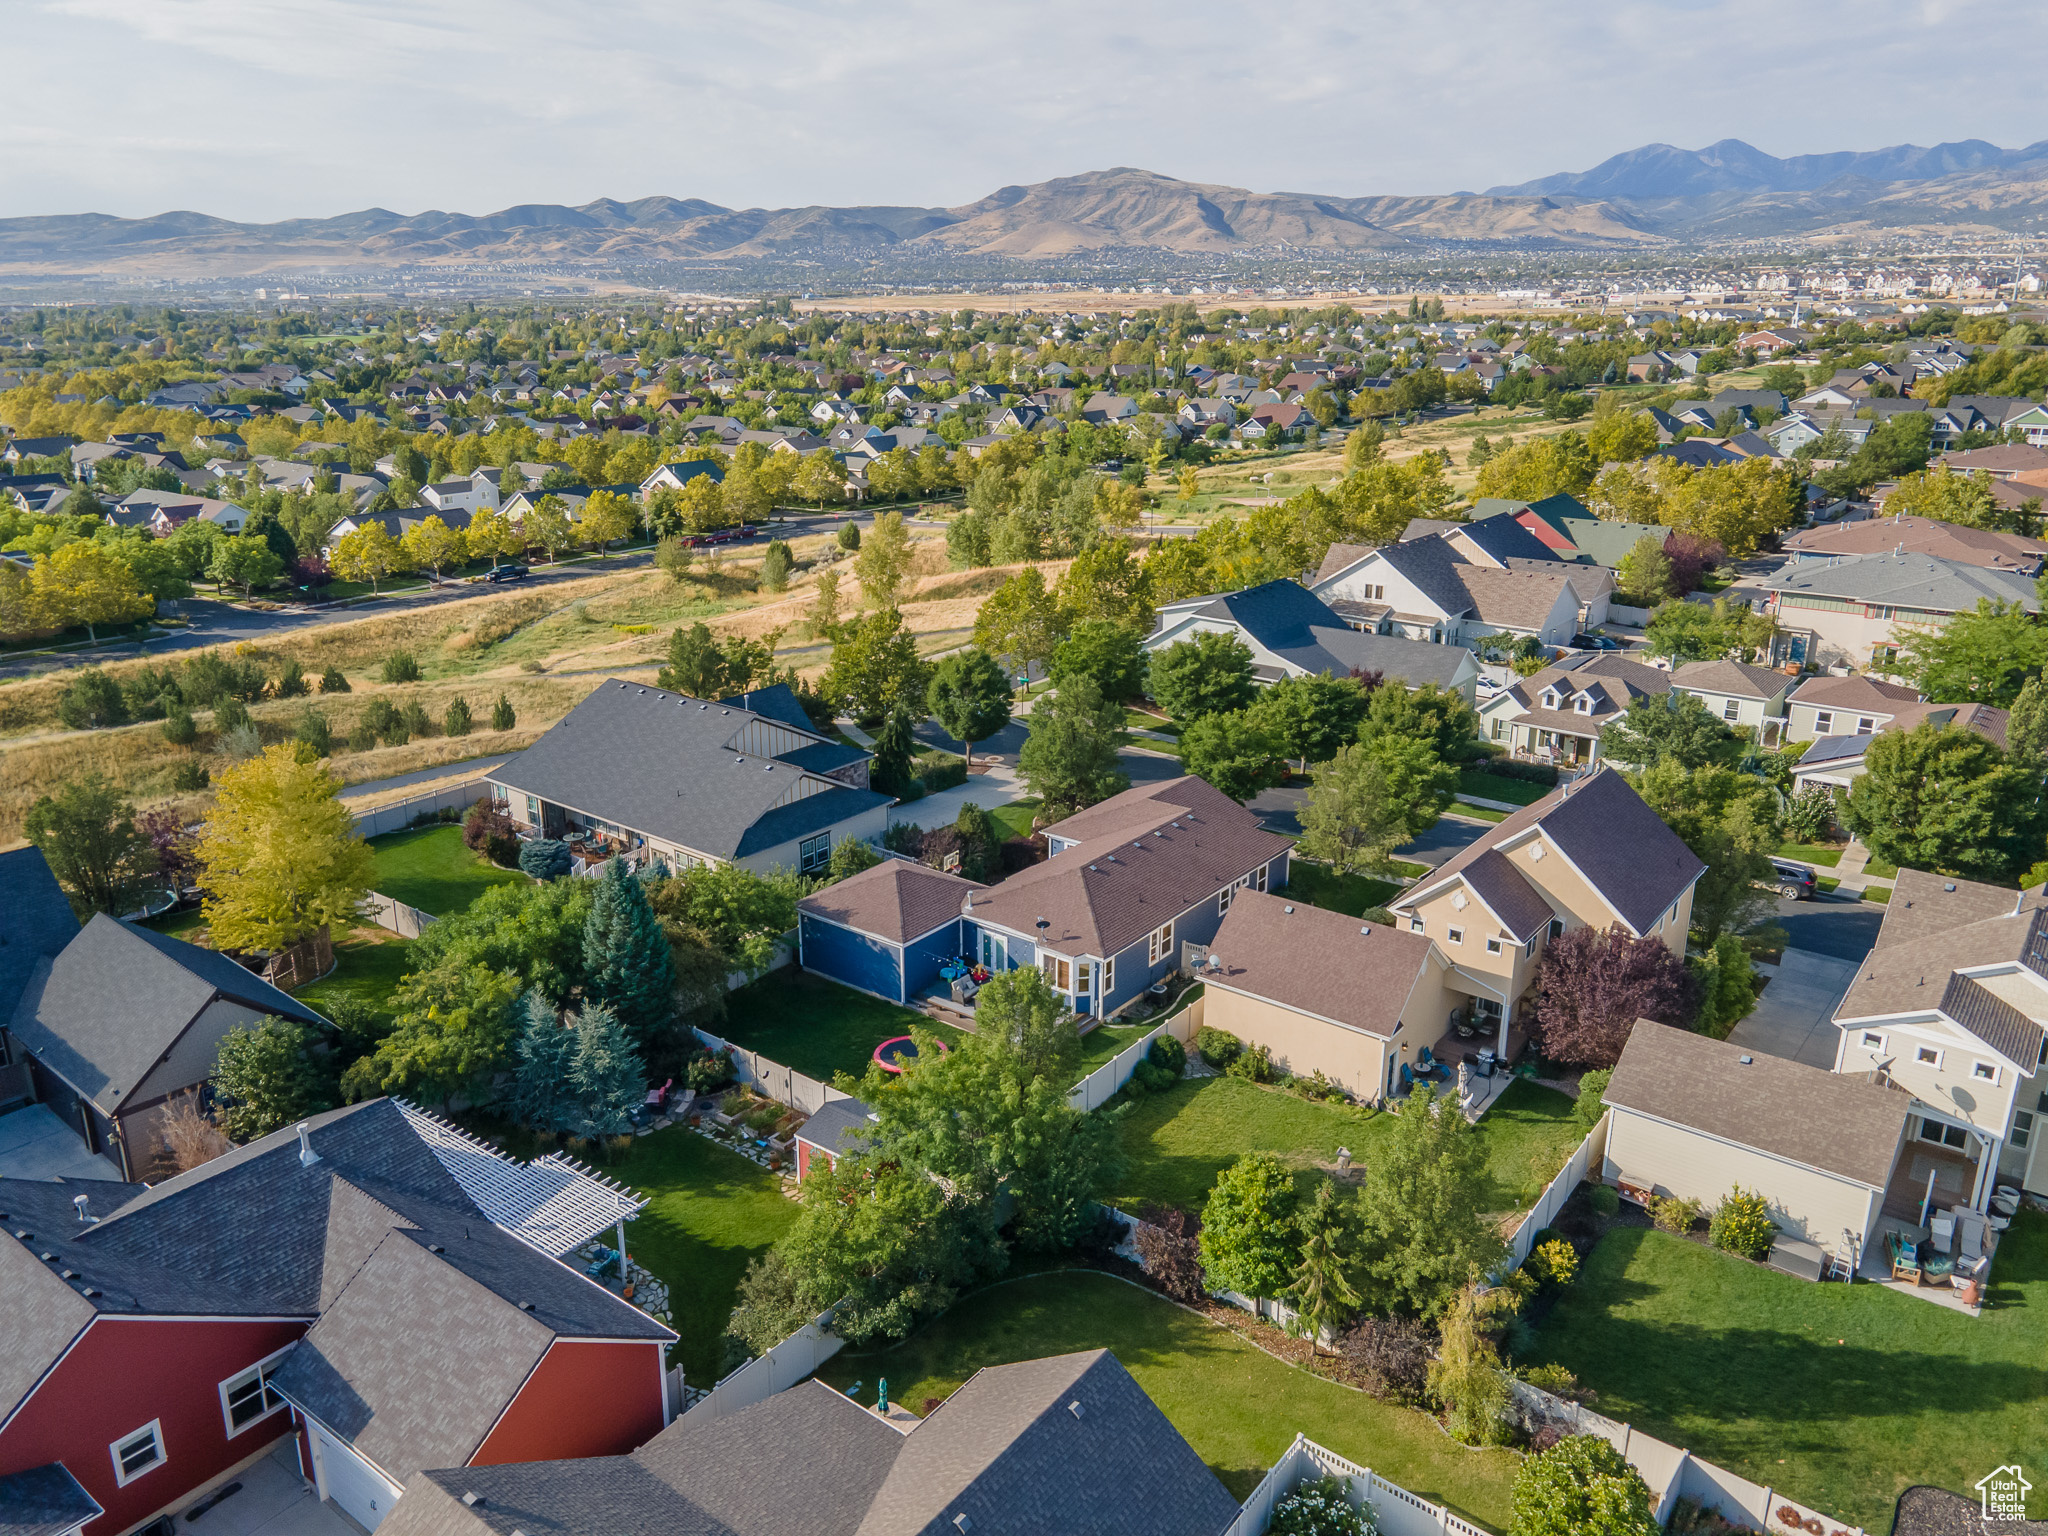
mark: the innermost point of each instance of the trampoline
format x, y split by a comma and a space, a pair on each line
893, 1055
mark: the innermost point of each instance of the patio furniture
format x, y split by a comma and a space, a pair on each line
1488, 1062
1944, 1238
1795, 1256
1969, 1281
1969, 1234
1904, 1256
1936, 1267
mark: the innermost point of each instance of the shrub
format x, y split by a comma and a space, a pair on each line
850, 856
1554, 1262
1217, 1047
484, 823
1254, 1063
939, 770
1321, 1508
1592, 1088
1149, 1077
502, 717
1389, 1355
291, 682
1581, 1487
179, 728
456, 721
363, 738
708, 1071
413, 717
188, 777
905, 837
92, 701
1167, 1242
1559, 1382
1810, 814
545, 858
1316, 1086
400, 667
1605, 1199
1742, 1224
849, 536
1674, 1214
1169, 1053
312, 728
331, 681
230, 714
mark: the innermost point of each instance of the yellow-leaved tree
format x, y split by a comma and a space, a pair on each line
369, 553
280, 858
430, 544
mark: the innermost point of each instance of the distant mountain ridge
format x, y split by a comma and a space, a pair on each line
1657, 171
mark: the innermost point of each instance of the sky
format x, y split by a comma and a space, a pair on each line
272, 109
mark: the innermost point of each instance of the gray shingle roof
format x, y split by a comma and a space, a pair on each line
1866, 693
663, 764
44, 1501
118, 998
831, 1126
1840, 1125
1317, 961
895, 900
1733, 678
39, 921
1906, 581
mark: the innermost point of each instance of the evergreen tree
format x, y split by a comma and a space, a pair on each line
502, 717
540, 1086
626, 959
607, 1072
894, 744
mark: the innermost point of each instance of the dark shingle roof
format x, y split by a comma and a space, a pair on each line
1840, 1125
665, 765
895, 900
831, 1126
107, 1009
1317, 961
775, 703
44, 1501
39, 921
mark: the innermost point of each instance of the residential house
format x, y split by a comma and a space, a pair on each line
372, 1287
1589, 854
673, 477
40, 923
1741, 696
1125, 885
1293, 633
1430, 589
1559, 714
660, 775
1693, 1117
475, 493
1951, 1006
1851, 609
124, 1018
1568, 530
1064, 1446
1844, 706
1904, 533
1835, 762
15, 449
1103, 409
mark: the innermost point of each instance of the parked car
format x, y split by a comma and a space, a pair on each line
506, 573
1795, 882
1595, 643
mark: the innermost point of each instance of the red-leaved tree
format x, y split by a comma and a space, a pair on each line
1596, 983
1691, 557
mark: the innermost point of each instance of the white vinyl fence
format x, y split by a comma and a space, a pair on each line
1101, 1085
389, 912
785, 1085
396, 818
1580, 1165
1397, 1511
788, 1363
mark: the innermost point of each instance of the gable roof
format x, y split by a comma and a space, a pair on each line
1303, 630
44, 1501
835, 1123
1735, 679
1315, 961
663, 764
1825, 692
39, 921
118, 998
1908, 580
1634, 862
1140, 859
897, 900
1838, 1124
1907, 534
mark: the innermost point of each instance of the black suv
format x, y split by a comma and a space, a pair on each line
506, 573
1795, 882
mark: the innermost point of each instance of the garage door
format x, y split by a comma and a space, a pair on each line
360, 1491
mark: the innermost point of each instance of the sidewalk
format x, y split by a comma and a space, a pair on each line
997, 785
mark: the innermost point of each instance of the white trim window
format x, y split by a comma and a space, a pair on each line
1872, 1040
2022, 1127
1084, 978
137, 1453
1927, 1056
1823, 721
1730, 709
1984, 1072
248, 1397
1493, 946
1108, 977
814, 853
1159, 944
1455, 935
1417, 925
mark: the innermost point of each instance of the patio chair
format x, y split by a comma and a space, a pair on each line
1905, 1257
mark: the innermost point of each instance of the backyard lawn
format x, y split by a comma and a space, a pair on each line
1321, 886
1491, 786
1237, 1406
709, 1213
428, 868
1015, 817
817, 1026
1107, 1040
368, 963
1180, 1140
1842, 1396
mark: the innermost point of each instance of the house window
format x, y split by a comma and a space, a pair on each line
1873, 1041
2022, 1127
1984, 1072
248, 1397
533, 809
1258, 878
1499, 729
814, 853
1415, 925
1730, 710
1529, 949
1455, 935
1584, 704
1108, 977
1556, 929
135, 1454
1927, 1056
1865, 725
1493, 946
1944, 1135
1160, 944
1084, 978
1823, 721
1058, 973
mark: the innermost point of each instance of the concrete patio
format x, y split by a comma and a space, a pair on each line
273, 1500
35, 1144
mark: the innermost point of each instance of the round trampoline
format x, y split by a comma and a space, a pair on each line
893, 1055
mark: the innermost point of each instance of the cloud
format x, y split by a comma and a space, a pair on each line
263, 109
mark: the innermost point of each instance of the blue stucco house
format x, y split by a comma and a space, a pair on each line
1126, 884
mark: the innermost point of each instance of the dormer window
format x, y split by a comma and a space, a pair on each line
1583, 704
1552, 699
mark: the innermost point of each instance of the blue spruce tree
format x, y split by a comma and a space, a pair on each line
541, 1090
626, 960
607, 1074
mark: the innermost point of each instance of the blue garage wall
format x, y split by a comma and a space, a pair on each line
853, 958
921, 958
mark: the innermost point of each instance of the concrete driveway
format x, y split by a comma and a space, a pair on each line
35, 1144
1794, 1017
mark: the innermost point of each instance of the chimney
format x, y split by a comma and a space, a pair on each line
307, 1156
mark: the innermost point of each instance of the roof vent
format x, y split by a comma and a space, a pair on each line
435, 1248
473, 1499
88, 1291
1747, 1061
1075, 1408
526, 1306
1288, 910
307, 1156
962, 1523
1365, 928
1949, 886
85, 1217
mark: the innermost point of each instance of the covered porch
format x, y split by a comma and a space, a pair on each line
1483, 1034
1940, 1217
1551, 743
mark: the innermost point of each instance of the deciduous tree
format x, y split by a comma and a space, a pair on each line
884, 561
265, 1078
1421, 1231
1372, 798
607, 518
1237, 752
1980, 657
1069, 759
369, 553
1021, 620
1250, 1241
280, 857
970, 696
1208, 673
1945, 800
1595, 983
876, 666
87, 833
1113, 654
430, 544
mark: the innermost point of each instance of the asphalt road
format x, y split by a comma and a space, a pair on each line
1831, 925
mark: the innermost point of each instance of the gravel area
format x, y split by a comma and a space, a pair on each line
1937, 1512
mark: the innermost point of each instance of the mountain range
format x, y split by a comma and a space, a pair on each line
1647, 197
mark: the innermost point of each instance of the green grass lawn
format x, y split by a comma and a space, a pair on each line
1180, 1140
1410, 871
1829, 854
1878, 893
1478, 812
1237, 1406
367, 966
1877, 869
1138, 720
1105, 1041
1491, 786
1015, 817
817, 1026
428, 868
1841, 1396
1321, 886
178, 923
710, 1212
